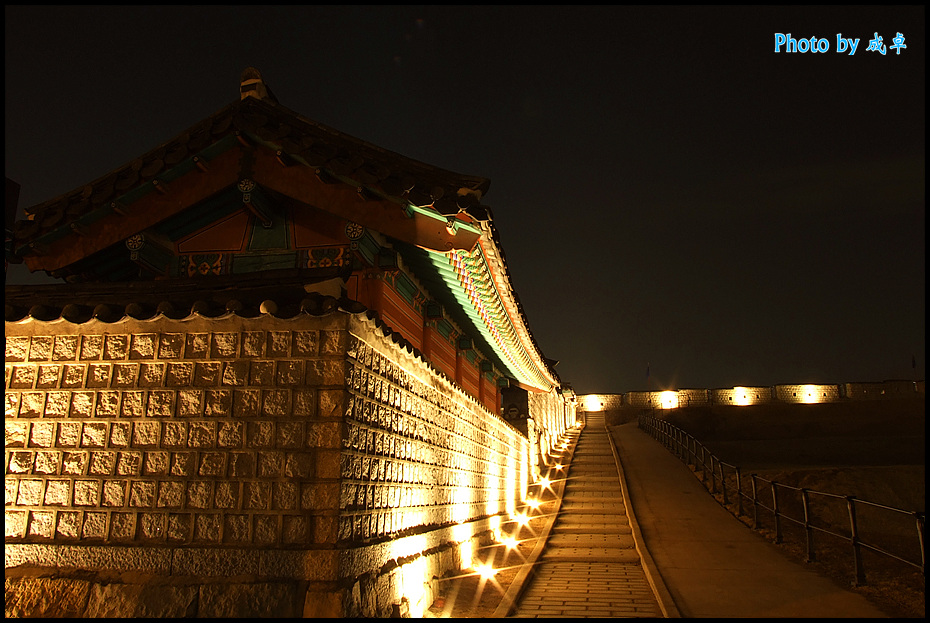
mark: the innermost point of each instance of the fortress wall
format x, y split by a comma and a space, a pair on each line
741, 395
303, 466
807, 393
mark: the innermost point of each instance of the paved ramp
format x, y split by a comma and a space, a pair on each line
590, 566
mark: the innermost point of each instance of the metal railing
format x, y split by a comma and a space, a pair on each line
813, 512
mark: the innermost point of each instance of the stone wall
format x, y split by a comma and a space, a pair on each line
306, 465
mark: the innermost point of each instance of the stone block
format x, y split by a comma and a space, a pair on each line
91, 347
183, 463
69, 525
15, 434
125, 374
152, 526
175, 435
300, 465
32, 404
333, 342
73, 375
122, 526
324, 435
114, 493
46, 597
256, 495
16, 348
40, 348
57, 404
236, 529
241, 464
74, 463
132, 404
20, 462
199, 494
201, 435
95, 525
212, 464
120, 434
261, 373
295, 529
102, 463
279, 343
248, 600
142, 494
190, 402
180, 527
289, 435
207, 528
107, 404
160, 403
11, 404
65, 348
289, 373
331, 403
151, 374
270, 464
171, 346
304, 402
115, 347
285, 496
197, 345
246, 402
141, 600
306, 343
145, 434
229, 435
170, 494
143, 346
227, 494
276, 402
98, 374
41, 523
128, 463
327, 464
86, 492
47, 377
217, 402
179, 374
224, 345
266, 530
57, 492
47, 463
155, 463
259, 434
253, 343
235, 373
82, 405
93, 435
207, 373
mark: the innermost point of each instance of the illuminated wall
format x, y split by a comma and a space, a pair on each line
308, 461
807, 393
739, 396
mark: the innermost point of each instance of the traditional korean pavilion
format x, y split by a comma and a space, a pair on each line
283, 365
257, 203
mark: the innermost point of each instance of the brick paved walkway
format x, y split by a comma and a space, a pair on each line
590, 567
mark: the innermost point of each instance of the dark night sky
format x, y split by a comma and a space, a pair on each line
668, 189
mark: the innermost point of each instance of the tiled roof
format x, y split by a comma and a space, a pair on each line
346, 159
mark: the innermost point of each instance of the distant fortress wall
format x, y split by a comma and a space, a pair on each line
801, 393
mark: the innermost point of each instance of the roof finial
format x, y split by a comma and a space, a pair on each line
251, 84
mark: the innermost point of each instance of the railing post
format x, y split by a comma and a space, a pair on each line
854, 537
723, 483
920, 539
807, 526
739, 495
775, 510
703, 466
755, 502
713, 475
